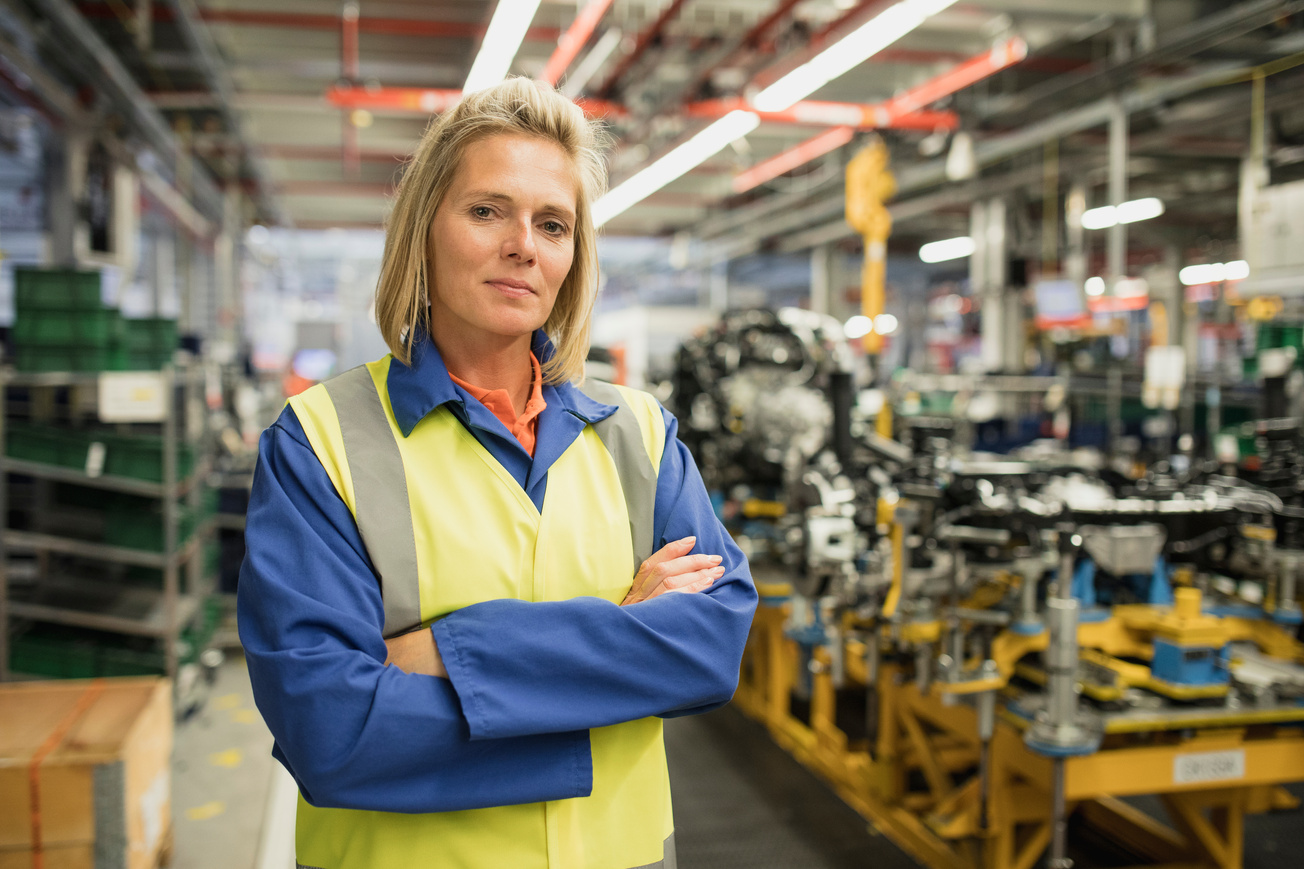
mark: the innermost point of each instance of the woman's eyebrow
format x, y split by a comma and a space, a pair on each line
498, 196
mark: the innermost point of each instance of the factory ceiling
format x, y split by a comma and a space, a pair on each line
310, 106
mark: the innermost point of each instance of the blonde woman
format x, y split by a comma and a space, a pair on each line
456, 605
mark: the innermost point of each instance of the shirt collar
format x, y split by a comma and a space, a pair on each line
417, 390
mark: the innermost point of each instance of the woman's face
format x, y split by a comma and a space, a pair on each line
502, 240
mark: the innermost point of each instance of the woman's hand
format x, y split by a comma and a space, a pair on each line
672, 569
416, 653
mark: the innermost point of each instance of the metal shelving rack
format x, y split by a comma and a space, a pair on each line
107, 606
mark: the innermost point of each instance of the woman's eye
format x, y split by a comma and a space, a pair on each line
482, 211
554, 228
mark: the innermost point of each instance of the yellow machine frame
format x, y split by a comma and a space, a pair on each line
933, 739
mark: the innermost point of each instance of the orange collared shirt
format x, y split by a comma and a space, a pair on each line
524, 427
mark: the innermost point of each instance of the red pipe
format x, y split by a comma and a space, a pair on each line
644, 40
960, 77
798, 155
428, 101
749, 40
419, 27
573, 40
825, 114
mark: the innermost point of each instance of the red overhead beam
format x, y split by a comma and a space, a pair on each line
645, 39
798, 155
419, 27
750, 40
960, 77
427, 101
825, 114
573, 40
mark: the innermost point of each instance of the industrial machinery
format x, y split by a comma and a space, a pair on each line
970, 649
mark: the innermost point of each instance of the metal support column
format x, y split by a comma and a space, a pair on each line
821, 279
1116, 256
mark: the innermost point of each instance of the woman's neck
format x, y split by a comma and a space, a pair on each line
493, 364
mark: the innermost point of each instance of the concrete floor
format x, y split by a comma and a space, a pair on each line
232, 804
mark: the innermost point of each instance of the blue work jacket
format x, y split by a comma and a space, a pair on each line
357, 734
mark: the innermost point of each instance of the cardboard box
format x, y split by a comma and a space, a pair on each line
104, 786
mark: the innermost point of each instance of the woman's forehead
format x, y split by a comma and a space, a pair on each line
507, 162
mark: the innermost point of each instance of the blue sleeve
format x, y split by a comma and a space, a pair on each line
523, 668
353, 732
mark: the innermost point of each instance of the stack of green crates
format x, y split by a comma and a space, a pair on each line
137, 523
139, 456
60, 324
149, 343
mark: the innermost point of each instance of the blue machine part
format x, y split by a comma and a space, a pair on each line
1084, 583
1050, 749
1155, 589
1161, 585
1084, 589
1189, 665
1028, 628
1287, 617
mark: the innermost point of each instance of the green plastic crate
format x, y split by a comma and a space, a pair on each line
49, 445
37, 289
100, 328
145, 360
137, 523
67, 653
75, 357
141, 457
141, 532
150, 335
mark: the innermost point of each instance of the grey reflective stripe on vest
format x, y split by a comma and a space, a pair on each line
667, 860
621, 435
382, 509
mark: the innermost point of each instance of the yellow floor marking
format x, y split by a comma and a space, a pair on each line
227, 701
244, 716
206, 812
230, 758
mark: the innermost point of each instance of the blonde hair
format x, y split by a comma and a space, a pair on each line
517, 106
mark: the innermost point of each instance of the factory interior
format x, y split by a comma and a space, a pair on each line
982, 321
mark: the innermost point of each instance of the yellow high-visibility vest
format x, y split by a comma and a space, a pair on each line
470, 518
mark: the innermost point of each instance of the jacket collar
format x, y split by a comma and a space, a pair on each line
417, 390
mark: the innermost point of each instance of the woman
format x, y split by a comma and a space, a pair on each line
455, 623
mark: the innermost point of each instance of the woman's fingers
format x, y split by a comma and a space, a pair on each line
681, 571
649, 573
691, 583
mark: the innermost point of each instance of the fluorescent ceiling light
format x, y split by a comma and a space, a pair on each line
501, 42
885, 324
1140, 209
949, 249
1214, 273
1095, 286
858, 46
1129, 212
678, 162
858, 327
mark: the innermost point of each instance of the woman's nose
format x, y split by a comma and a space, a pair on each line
519, 243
